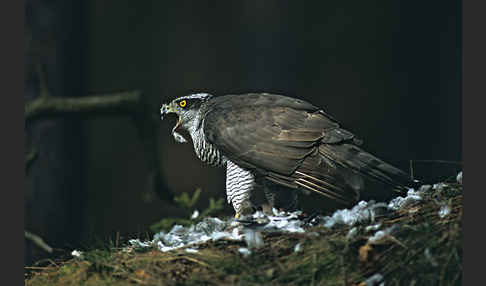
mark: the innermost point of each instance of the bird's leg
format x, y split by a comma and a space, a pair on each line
270, 196
242, 208
293, 201
280, 197
269, 193
239, 184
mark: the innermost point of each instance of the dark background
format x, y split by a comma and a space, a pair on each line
389, 71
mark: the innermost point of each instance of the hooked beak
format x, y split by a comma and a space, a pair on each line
166, 109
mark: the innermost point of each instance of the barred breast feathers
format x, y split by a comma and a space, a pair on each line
205, 151
239, 184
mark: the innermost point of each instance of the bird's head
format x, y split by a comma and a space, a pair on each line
187, 109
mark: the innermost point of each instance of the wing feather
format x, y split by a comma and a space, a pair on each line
292, 143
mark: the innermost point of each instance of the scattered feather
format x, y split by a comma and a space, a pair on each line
352, 233
195, 214
425, 188
382, 235
459, 178
362, 212
244, 251
253, 239
444, 211
400, 202
77, 254
374, 280
439, 186
191, 250
372, 227
298, 247
138, 244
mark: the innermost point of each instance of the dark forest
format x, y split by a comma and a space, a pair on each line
389, 71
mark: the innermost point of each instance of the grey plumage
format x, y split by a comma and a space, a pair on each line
239, 184
206, 151
280, 141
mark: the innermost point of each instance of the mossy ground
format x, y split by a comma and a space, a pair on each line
426, 250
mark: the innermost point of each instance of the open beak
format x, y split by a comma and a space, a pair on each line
166, 109
178, 124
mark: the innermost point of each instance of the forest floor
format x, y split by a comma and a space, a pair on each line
419, 243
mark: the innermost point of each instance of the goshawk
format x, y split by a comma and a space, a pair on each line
278, 144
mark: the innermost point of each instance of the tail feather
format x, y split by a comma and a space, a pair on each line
324, 188
320, 175
353, 157
339, 172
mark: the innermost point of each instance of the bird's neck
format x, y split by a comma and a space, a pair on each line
205, 151
194, 128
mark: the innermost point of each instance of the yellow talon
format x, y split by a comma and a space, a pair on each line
237, 216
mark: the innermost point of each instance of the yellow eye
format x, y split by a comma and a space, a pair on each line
183, 103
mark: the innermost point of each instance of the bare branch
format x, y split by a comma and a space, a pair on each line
37, 240
52, 107
129, 103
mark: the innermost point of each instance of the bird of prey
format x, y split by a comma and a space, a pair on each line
278, 144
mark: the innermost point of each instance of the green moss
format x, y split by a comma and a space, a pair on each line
426, 250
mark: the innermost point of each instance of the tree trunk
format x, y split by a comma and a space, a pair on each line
53, 66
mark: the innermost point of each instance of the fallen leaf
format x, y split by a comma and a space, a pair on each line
365, 252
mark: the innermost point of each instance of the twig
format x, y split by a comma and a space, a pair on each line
37, 240
195, 260
438, 161
411, 169
36, 267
